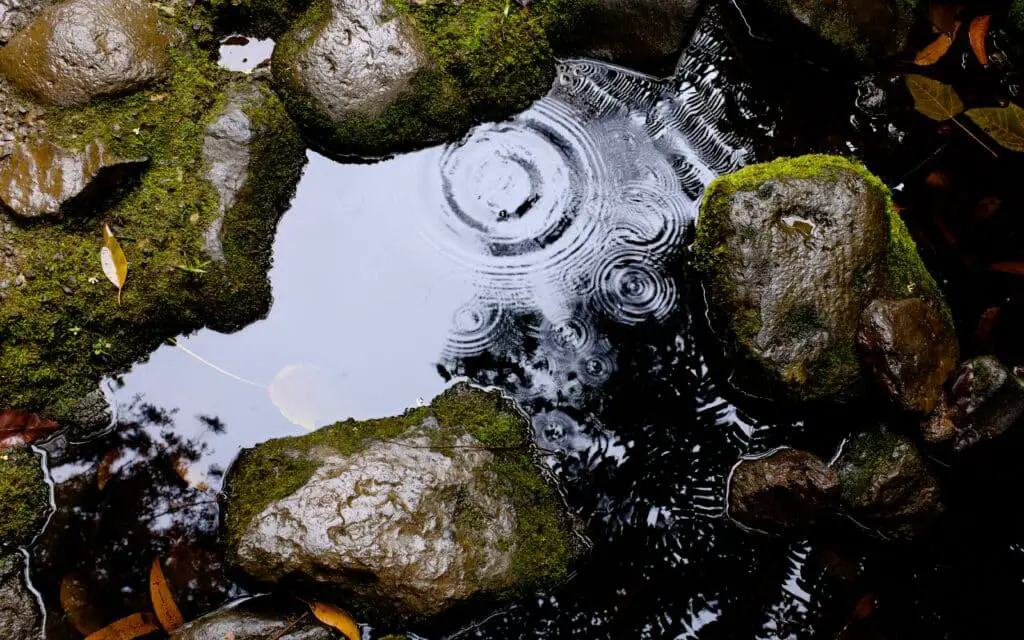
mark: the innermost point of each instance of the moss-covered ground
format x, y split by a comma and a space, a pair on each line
64, 328
544, 540
23, 496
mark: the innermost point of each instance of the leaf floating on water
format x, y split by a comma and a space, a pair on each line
977, 33
934, 99
934, 52
18, 427
163, 602
336, 618
115, 265
74, 599
103, 473
129, 628
1016, 268
1004, 124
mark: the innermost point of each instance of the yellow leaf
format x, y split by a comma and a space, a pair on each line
977, 33
1004, 124
115, 265
337, 618
934, 99
134, 626
933, 52
74, 599
163, 602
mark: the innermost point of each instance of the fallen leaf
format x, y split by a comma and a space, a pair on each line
103, 473
163, 602
944, 16
1004, 124
18, 427
986, 207
938, 179
115, 265
977, 33
336, 618
934, 99
129, 628
934, 52
74, 599
1016, 268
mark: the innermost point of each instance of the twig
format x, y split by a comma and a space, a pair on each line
290, 627
976, 138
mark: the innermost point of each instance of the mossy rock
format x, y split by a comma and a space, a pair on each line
23, 496
437, 68
63, 329
791, 253
447, 505
866, 29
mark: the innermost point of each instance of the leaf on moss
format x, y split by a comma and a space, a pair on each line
934, 99
977, 33
129, 628
18, 427
1004, 124
336, 618
163, 602
934, 52
115, 265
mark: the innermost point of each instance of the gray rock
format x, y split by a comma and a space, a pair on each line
886, 486
863, 28
411, 515
647, 35
82, 49
255, 619
987, 399
783, 491
791, 253
19, 611
910, 349
41, 179
15, 14
90, 415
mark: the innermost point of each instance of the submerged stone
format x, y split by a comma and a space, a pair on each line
886, 486
911, 350
42, 179
256, 619
23, 496
783, 491
408, 516
791, 253
84, 49
863, 28
987, 399
19, 612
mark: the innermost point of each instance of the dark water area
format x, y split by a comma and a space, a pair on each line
546, 256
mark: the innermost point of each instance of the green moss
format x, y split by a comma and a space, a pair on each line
544, 549
485, 65
23, 496
869, 456
49, 336
1017, 14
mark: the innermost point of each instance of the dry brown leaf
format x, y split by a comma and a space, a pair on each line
103, 473
337, 618
129, 628
18, 427
934, 99
934, 52
74, 599
1004, 124
977, 33
115, 265
938, 179
163, 602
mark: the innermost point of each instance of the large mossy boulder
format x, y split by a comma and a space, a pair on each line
865, 29
23, 496
82, 49
61, 327
791, 253
405, 517
374, 77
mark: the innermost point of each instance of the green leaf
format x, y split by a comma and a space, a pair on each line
1004, 124
934, 99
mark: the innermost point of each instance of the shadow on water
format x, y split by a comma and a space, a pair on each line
543, 256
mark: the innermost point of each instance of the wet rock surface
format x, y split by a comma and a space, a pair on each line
83, 49
886, 486
792, 252
623, 32
987, 399
413, 522
910, 349
41, 179
782, 491
23, 496
863, 28
19, 612
16, 14
256, 619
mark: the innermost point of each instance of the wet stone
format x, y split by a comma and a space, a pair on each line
41, 179
783, 491
256, 619
987, 399
16, 14
886, 486
83, 49
19, 612
910, 349
938, 427
862, 28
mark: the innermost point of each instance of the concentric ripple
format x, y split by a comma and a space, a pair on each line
632, 290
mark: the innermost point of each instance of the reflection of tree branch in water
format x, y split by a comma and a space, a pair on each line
178, 507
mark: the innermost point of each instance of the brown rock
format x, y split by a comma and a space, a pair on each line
785, 490
910, 349
938, 428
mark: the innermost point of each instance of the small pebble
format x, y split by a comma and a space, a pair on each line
68, 290
19, 280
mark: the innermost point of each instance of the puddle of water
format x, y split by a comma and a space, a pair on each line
239, 53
